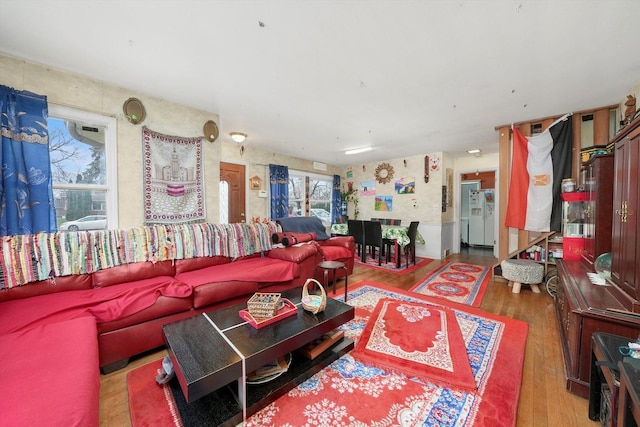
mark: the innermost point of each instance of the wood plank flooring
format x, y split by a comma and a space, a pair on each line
544, 401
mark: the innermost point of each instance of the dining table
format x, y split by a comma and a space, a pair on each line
397, 233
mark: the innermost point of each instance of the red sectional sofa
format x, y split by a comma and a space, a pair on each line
55, 333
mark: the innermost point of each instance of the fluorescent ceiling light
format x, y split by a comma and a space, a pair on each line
475, 151
358, 150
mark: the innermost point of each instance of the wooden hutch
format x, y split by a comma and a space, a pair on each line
583, 307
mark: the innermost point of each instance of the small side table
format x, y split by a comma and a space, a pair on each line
333, 266
629, 403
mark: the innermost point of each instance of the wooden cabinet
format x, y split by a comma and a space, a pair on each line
598, 186
625, 243
582, 309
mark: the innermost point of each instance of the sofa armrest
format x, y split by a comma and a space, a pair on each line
346, 241
296, 253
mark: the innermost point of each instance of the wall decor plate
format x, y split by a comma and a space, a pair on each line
134, 110
211, 131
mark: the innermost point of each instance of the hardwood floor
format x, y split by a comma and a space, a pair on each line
544, 401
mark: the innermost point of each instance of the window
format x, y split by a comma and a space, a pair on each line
82, 147
314, 189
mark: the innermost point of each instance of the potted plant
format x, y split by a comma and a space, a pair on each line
351, 195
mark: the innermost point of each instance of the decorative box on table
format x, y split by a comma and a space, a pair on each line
263, 305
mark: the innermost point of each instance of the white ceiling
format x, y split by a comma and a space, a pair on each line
313, 78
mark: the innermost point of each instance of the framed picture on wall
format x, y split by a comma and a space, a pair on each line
255, 182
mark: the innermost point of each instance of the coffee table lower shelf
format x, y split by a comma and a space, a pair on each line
221, 408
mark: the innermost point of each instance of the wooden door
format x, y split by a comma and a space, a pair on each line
235, 176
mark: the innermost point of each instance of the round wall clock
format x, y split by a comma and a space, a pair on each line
384, 173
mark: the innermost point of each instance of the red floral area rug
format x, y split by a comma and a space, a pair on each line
391, 266
416, 339
351, 392
456, 282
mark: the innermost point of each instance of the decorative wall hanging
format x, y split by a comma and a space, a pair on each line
173, 190
134, 110
449, 173
426, 169
255, 182
434, 163
444, 198
384, 173
211, 131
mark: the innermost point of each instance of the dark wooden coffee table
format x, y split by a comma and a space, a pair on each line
214, 349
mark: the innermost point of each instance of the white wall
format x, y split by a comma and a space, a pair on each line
163, 116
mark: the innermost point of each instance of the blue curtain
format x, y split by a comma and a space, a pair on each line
336, 200
26, 195
279, 186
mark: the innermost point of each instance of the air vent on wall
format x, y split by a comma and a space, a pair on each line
320, 166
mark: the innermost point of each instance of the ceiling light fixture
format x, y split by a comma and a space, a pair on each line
358, 150
474, 151
238, 137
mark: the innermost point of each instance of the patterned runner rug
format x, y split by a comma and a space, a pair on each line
456, 282
352, 393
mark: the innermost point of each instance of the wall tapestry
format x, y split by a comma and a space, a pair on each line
173, 189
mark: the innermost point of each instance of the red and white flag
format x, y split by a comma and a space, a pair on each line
533, 190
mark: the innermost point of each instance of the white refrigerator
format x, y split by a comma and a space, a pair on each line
481, 217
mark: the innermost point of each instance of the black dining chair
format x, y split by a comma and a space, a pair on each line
373, 239
356, 229
395, 221
410, 249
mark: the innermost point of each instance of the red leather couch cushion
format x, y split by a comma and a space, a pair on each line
247, 270
43, 287
49, 375
213, 293
163, 306
295, 254
131, 272
104, 304
184, 265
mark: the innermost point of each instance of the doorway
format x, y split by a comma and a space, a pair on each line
478, 214
232, 192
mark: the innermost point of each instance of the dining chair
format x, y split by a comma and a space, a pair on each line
383, 221
410, 249
373, 239
356, 229
395, 221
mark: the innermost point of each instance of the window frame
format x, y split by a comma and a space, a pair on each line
312, 176
111, 157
